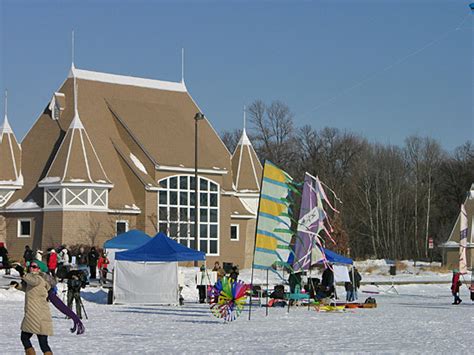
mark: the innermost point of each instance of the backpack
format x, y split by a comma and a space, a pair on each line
370, 300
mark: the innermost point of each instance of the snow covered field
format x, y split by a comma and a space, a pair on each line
420, 319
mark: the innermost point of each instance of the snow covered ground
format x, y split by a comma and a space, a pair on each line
419, 319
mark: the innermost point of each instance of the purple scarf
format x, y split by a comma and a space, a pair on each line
56, 301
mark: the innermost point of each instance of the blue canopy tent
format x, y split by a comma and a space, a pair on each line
149, 274
128, 240
125, 241
335, 258
161, 248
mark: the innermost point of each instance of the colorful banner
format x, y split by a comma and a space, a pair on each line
273, 237
308, 243
463, 242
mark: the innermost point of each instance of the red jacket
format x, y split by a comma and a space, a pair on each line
456, 283
53, 261
103, 263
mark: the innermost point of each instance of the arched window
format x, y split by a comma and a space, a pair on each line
176, 204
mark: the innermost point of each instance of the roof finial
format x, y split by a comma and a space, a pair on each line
245, 116
6, 103
5, 127
182, 65
72, 49
76, 114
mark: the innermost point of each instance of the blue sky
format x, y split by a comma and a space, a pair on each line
384, 69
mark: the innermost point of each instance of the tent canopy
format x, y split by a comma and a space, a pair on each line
161, 248
128, 240
336, 258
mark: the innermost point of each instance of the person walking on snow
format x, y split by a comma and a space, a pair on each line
455, 284
37, 319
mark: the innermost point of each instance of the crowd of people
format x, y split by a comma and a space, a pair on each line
60, 260
204, 280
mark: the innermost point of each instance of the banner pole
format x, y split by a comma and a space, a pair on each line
266, 311
255, 241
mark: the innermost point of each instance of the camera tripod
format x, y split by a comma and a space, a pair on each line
80, 303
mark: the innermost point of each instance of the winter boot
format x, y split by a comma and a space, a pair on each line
48, 353
30, 351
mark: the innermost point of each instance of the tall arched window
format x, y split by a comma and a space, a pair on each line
176, 212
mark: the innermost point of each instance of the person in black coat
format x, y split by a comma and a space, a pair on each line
355, 281
93, 257
28, 255
327, 282
234, 274
5, 263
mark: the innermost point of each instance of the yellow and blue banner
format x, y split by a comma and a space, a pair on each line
273, 234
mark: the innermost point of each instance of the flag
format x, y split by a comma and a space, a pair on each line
308, 247
273, 234
463, 242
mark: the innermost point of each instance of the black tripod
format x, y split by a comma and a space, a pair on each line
80, 302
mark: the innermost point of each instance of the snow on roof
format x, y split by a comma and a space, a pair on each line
17, 182
132, 207
244, 140
127, 80
76, 123
23, 205
138, 164
6, 128
50, 179
247, 206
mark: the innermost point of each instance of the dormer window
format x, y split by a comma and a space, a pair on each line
57, 105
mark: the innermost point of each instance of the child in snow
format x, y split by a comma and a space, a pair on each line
103, 267
455, 284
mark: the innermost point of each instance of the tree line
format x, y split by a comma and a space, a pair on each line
394, 198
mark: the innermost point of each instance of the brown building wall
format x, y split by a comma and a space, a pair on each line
149, 220
81, 227
3, 229
16, 245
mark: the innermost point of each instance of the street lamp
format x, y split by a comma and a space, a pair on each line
197, 117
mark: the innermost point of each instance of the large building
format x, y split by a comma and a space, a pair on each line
111, 153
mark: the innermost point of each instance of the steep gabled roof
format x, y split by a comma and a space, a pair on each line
76, 160
246, 168
130, 122
10, 155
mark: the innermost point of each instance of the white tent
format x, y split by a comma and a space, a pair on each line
149, 273
146, 282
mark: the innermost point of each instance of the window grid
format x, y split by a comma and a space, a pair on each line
176, 212
96, 198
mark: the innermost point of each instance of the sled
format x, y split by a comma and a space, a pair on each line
329, 308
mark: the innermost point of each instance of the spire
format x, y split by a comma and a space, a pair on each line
10, 156
76, 121
245, 164
6, 128
72, 49
182, 65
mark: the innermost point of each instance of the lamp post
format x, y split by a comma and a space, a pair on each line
197, 117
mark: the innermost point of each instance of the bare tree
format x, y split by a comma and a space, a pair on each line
231, 139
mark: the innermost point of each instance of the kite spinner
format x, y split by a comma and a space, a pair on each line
228, 298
